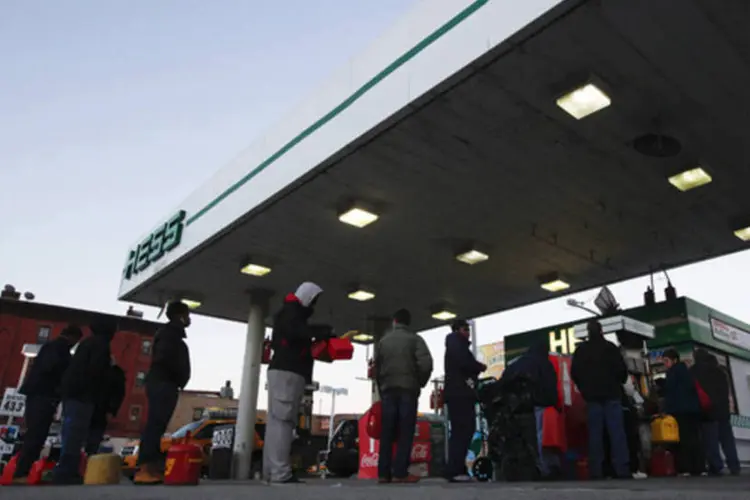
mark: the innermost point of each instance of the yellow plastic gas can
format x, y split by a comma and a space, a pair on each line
103, 469
665, 430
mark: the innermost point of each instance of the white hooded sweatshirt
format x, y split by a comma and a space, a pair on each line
307, 292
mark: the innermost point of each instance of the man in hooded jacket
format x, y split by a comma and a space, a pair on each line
85, 383
717, 428
599, 372
682, 402
461, 373
42, 390
290, 370
168, 375
538, 369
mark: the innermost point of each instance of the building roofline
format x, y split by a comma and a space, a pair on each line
83, 317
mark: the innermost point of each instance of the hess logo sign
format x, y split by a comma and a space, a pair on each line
164, 239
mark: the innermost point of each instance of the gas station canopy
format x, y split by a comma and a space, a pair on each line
566, 144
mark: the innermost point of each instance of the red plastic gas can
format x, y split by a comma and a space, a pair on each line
10, 469
39, 470
662, 463
183, 466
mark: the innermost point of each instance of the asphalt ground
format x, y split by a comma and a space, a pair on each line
431, 489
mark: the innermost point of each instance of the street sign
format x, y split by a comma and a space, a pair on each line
13, 404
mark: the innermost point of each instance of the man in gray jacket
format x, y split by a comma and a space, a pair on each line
403, 366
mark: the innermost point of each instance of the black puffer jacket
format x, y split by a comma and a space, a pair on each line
536, 366
45, 376
292, 335
87, 377
714, 381
112, 400
170, 362
599, 370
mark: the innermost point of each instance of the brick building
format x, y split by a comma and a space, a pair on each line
26, 322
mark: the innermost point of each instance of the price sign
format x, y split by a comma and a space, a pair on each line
13, 404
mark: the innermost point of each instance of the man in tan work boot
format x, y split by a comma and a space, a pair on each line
169, 374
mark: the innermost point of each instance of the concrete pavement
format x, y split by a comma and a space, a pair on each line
331, 489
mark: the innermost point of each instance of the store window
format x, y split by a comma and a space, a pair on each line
140, 379
42, 336
146, 345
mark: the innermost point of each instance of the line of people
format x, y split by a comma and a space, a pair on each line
91, 388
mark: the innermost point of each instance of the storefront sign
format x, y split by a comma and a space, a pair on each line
13, 404
563, 341
729, 334
163, 240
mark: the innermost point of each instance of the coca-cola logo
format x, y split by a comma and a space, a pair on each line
369, 460
419, 452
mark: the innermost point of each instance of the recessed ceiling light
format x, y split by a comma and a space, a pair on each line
553, 282
690, 179
361, 295
555, 286
358, 217
472, 257
743, 233
584, 101
192, 304
363, 338
255, 270
444, 315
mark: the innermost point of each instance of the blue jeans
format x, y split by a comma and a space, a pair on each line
399, 421
74, 433
541, 463
716, 434
607, 414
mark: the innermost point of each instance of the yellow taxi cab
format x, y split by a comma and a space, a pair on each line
199, 432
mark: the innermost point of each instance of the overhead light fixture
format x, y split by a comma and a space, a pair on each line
472, 256
690, 179
584, 101
255, 270
358, 215
363, 338
442, 312
444, 315
553, 283
192, 304
361, 295
743, 233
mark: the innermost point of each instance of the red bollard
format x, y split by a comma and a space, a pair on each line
10, 469
183, 466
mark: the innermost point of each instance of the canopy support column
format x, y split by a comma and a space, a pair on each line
244, 432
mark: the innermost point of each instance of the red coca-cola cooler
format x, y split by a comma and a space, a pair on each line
369, 451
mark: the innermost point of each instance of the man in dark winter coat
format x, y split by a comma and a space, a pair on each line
403, 365
682, 402
290, 370
717, 429
599, 372
461, 372
108, 406
85, 382
42, 390
168, 375
538, 369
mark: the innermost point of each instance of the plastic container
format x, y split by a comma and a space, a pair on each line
665, 430
183, 466
335, 349
103, 468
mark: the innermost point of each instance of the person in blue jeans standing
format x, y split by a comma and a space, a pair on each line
403, 365
599, 372
85, 383
716, 426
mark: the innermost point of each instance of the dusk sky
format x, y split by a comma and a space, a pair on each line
113, 112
